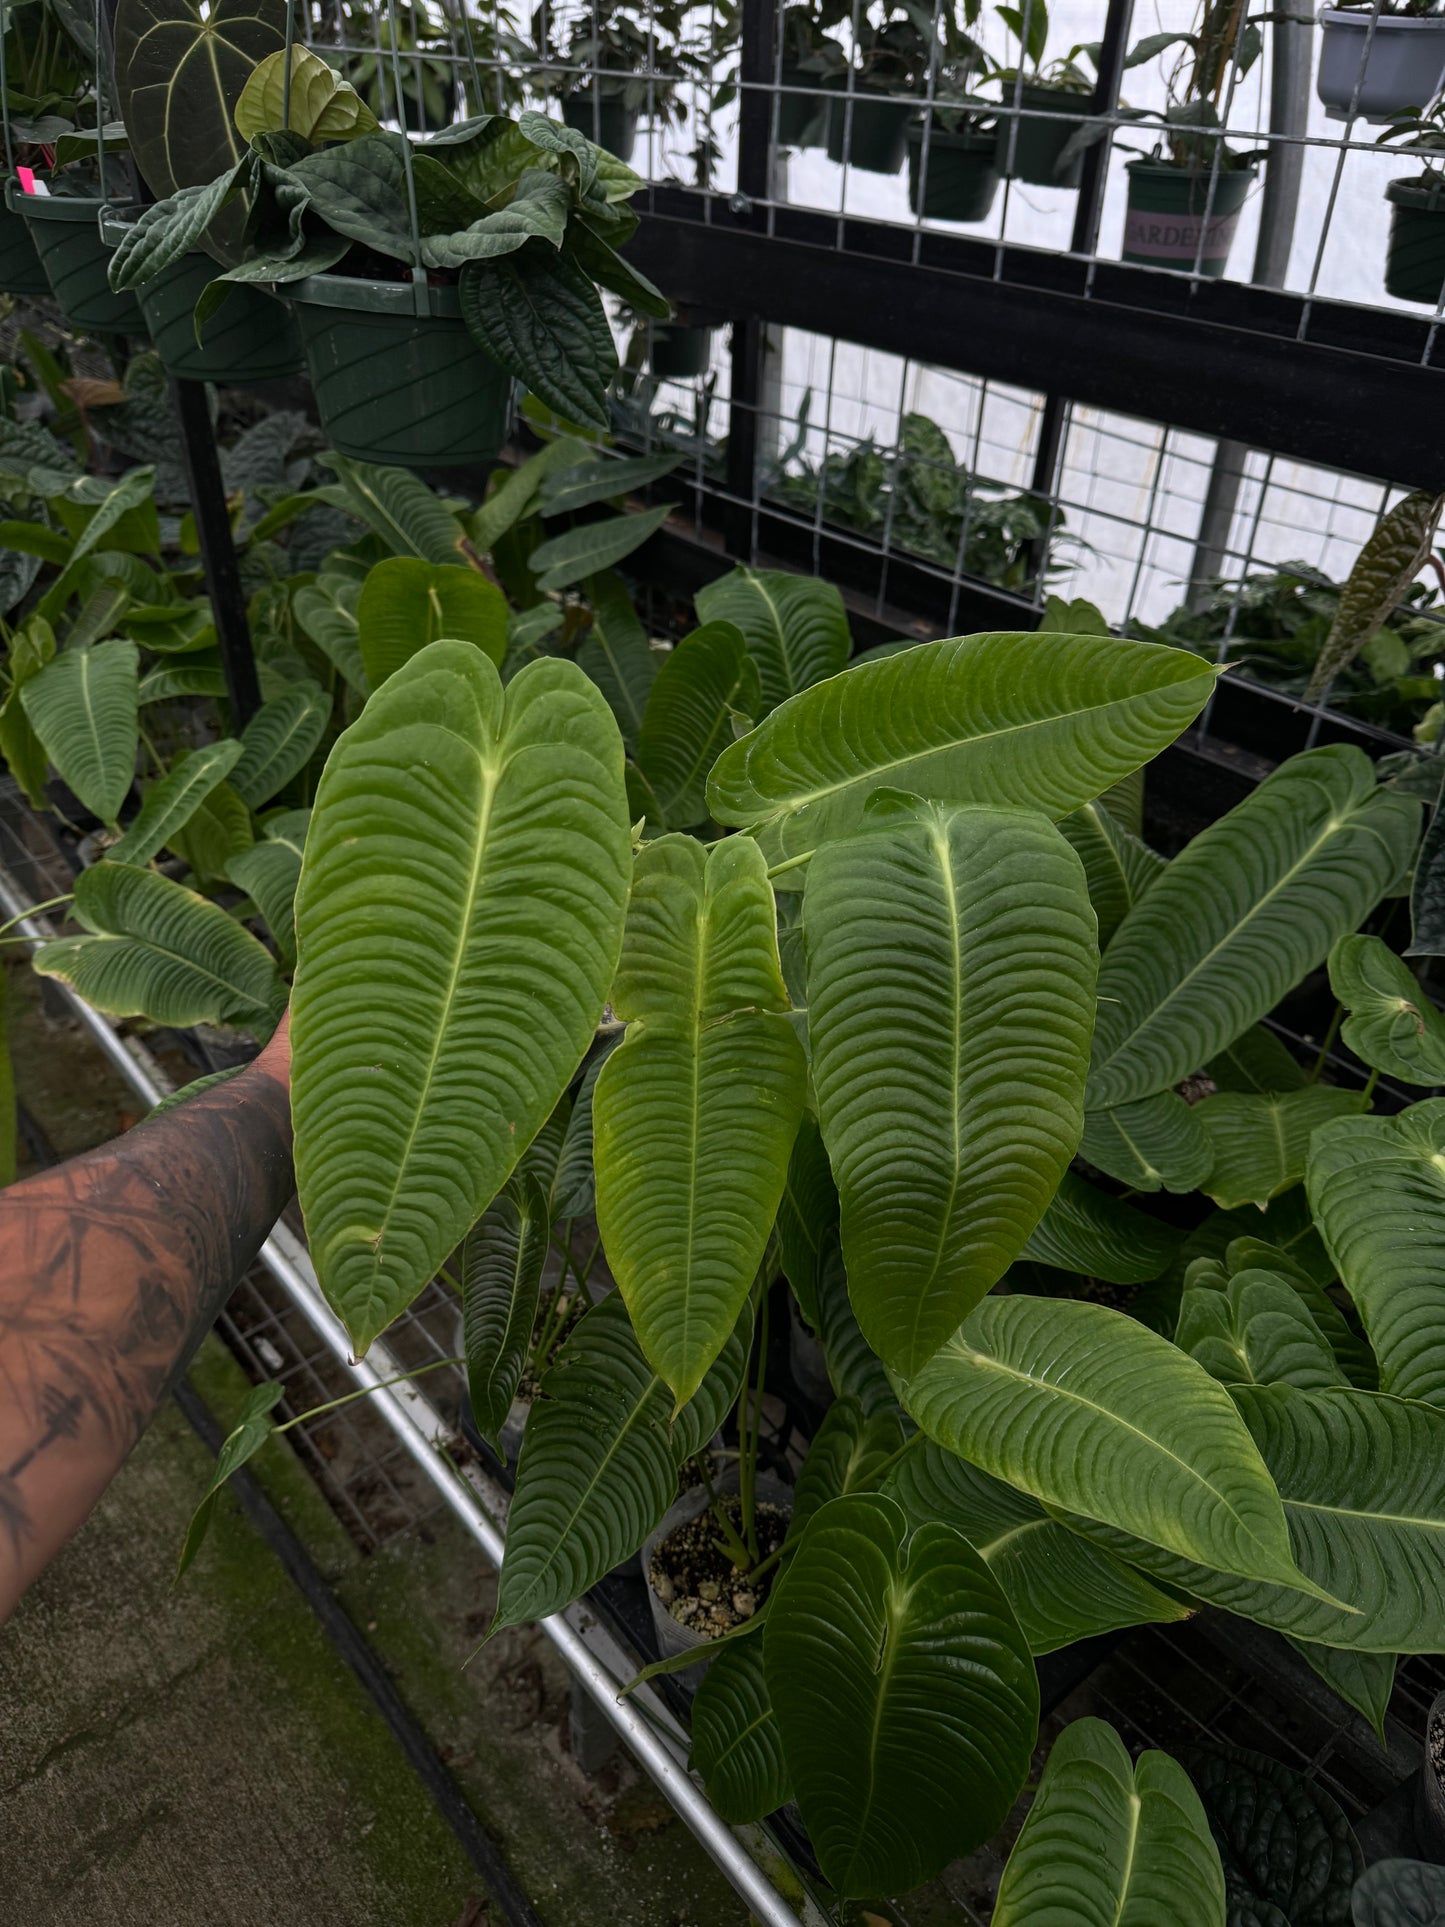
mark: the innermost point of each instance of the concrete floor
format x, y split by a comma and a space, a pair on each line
200, 1755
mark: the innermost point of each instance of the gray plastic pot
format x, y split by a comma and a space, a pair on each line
673, 1638
1405, 65
1430, 1794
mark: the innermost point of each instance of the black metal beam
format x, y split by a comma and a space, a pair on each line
1365, 391
218, 551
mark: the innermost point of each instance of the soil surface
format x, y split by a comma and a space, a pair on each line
1436, 1745
697, 1581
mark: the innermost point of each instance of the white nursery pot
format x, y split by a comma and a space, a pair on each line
1404, 68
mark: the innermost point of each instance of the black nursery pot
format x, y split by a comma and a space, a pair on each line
680, 354
1044, 130
610, 122
876, 135
1430, 1793
803, 115
1415, 256
962, 177
20, 269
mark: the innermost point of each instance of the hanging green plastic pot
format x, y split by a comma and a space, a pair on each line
251, 337
876, 131
680, 354
1415, 256
66, 232
393, 385
610, 122
1044, 129
20, 269
1166, 226
962, 177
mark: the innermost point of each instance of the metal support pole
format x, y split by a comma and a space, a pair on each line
757, 53
1088, 216
1289, 107
218, 551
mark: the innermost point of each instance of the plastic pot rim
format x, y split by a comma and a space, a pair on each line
397, 298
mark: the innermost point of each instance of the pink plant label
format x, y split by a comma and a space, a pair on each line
1168, 237
26, 178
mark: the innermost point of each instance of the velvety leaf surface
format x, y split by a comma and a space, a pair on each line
1250, 907
600, 1461
1119, 867
951, 965
694, 1115
854, 1371
501, 1263
1085, 1230
795, 627
904, 1691
397, 506
1392, 1023
807, 1214
171, 802
573, 1186
1061, 1587
848, 1450
458, 924
1153, 1142
405, 603
270, 871
1091, 1412
736, 1746
1042, 722
1257, 1331
1259, 1145
82, 707
593, 546
157, 949
700, 687
1377, 1189
1112, 1842
279, 741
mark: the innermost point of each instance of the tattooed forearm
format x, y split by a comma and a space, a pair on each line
112, 1269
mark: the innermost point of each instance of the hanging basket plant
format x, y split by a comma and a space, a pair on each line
425, 274
66, 233
960, 178
1415, 257
1401, 64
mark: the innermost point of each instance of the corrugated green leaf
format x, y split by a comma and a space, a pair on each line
736, 1745
848, 1451
156, 949
1259, 1145
279, 741
326, 610
82, 706
565, 559
32, 645
214, 834
397, 506
406, 602
1377, 1189
1397, 550
602, 478
573, 1184
1288, 1852
501, 1263
170, 803
701, 686
600, 1461
795, 627
323, 106
1257, 1331
1084, 1230
951, 965
1044, 722
1120, 867
694, 1116
1256, 1061
1240, 916
1355, 1356
904, 1691
853, 1370
807, 1214
1112, 1842
617, 654
1156, 1141
1091, 1412
540, 317
458, 922
269, 873
1399, 1893
1362, 1680
1061, 1588
1392, 1023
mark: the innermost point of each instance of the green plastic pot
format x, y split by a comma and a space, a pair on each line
251, 337
962, 177
611, 123
680, 354
1043, 132
802, 116
20, 269
67, 238
877, 135
1166, 216
393, 385
1415, 256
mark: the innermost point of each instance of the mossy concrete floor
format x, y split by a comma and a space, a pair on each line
200, 1757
